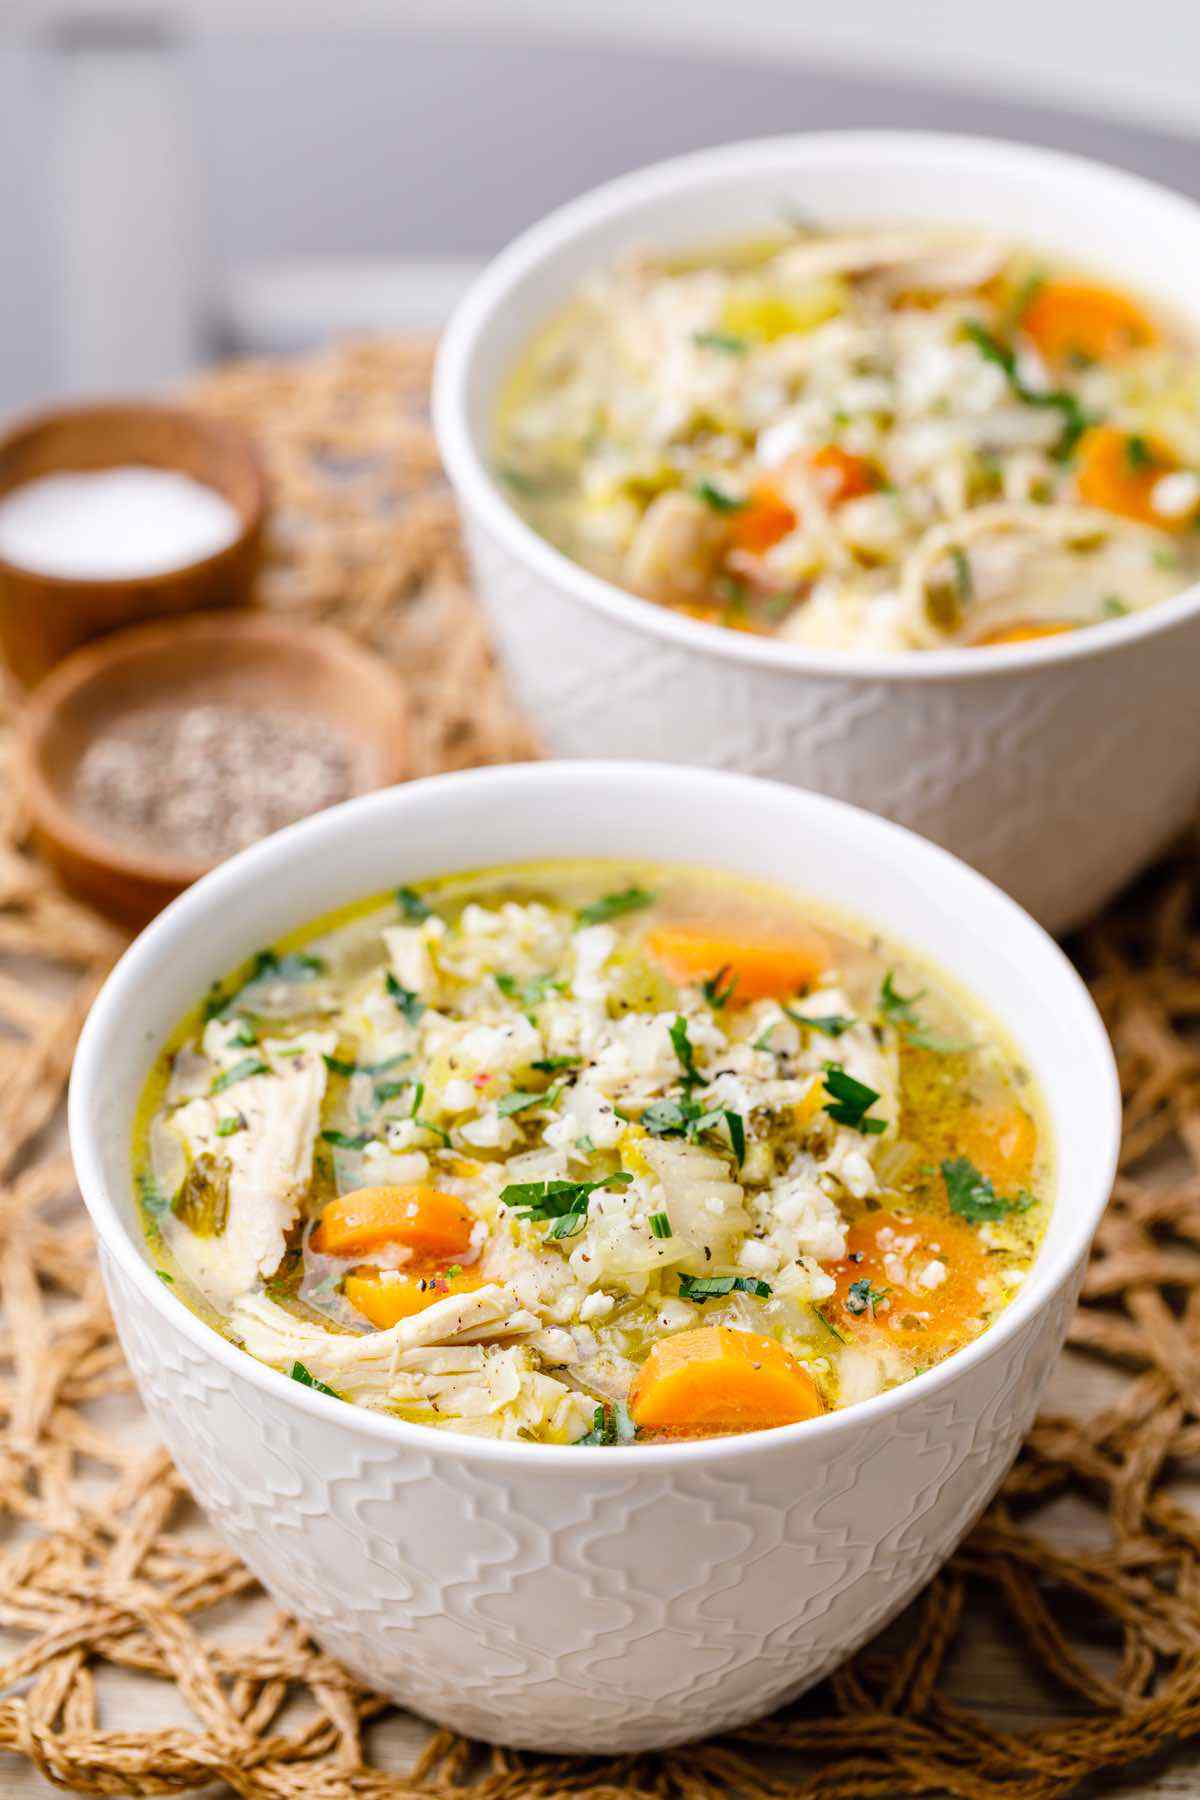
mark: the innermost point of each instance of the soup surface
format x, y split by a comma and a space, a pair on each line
592, 1153
889, 440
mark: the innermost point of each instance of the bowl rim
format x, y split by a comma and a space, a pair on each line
92, 664
495, 787
478, 490
229, 438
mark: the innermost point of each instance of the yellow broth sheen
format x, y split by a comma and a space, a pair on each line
754, 1196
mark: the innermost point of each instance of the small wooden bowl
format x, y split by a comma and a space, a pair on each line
42, 617
247, 658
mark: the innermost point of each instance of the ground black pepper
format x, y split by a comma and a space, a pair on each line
204, 781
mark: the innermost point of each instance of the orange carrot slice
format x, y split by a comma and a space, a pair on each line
1119, 472
1026, 633
880, 1289
762, 968
386, 1302
764, 519
422, 1218
718, 1379
1001, 1140
841, 476
1069, 319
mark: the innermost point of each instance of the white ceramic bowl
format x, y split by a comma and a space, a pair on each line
1057, 767
580, 1599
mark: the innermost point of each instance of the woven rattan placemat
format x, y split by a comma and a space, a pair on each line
109, 1578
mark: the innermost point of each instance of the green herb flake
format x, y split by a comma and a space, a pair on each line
1113, 607
553, 1065
1075, 420
407, 1002
900, 1010
227, 1126
833, 1025
718, 989
307, 1379
163, 1276
611, 1424
660, 1225
528, 993
700, 1288
520, 1100
614, 906
972, 1196
241, 1071
683, 1049
714, 497
964, 581
861, 1297
721, 340
850, 1101
1138, 453
343, 1140
411, 905
561, 1204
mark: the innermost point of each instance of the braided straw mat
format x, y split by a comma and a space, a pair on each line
139, 1657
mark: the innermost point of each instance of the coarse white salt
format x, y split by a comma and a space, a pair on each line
113, 523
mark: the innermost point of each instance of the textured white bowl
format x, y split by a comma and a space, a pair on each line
585, 1599
1058, 767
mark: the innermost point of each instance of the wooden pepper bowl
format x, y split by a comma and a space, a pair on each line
42, 617
253, 659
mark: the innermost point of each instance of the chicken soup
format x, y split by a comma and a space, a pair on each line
891, 440
588, 1153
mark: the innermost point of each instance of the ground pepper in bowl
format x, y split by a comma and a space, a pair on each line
205, 780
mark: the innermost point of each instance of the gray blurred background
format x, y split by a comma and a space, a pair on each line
182, 181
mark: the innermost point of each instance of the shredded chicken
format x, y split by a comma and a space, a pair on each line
268, 1158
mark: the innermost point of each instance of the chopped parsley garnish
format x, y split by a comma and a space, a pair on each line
712, 1287
243, 1034
268, 965
718, 989
1075, 420
151, 1195
307, 1379
900, 1010
972, 1196
832, 1024
388, 1090
344, 1140
163, 1276
611, 1424
1138, 453
227, 1126
613, 906
719, 501
520, 1100
660, 1225
531, 992
721, 340
408, 1002
553, 1065
1113, 607
737, 1135
861, 1297
850, 1101
414, 1113
963, 579
411, 905
683, 1049
562, 1204
338, 1066
241, 1071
